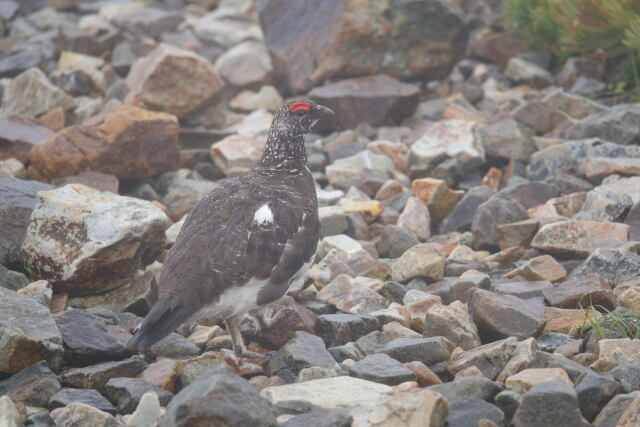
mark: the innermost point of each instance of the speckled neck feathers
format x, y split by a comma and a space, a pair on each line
284, 142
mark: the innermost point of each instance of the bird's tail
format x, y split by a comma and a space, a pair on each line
160, 322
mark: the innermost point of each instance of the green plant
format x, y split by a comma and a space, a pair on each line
605, 29
602, 321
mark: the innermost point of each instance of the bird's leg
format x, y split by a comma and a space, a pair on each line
233, 327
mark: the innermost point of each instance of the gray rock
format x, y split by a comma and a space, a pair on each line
32, 386
426, 350
499, 209
183, 194
501, 316
201, 368
31, 94
333, 220
551, 341
338, 329
12, 280
89, 339
614, 410
322, 417
628, 375
148, 412
573, 293
9, 414
461, 218
549, 403
594, 392
451, 289
523, 290
150, 22
17, 200
542, 359
530, 194
90, 416
465, 388
223, 399
247, 64
96, 376
67, 396
383, 369
604, 206
29, 333
620, 124
346, 351
521, 71
125, 393
613, 264
302, 351
508, 402
174, 346
508, 139
469, 412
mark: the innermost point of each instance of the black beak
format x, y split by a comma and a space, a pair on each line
323, 112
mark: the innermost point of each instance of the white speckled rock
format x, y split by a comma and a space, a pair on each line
84, 241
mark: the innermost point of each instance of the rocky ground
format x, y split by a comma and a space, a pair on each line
478, 208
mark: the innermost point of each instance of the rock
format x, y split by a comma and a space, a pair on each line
266, 98
12, 168
575, 67
628, 375
423, 260
183, 194
575, 370
381, 368
369, 210
619, 124
98, 180
9, 414
620, 412
127, 142
67, 396
470, 412
426, 350
29, 333
499, 209
339, 329
452, 322
594, 392
351, 296
465, 388
126, 393
195, 81
508, 139
612, 264
245, 64
489, 358
322, 418
530, 194
174, 346
461, 218
574, 106
597, 168
519, 233
548, 162
375, 100
148, 412
580, 292
108, 230
415, 218
336, 392
399, 51
17, 200
302, 351
333, 220
549, 403
497, 47
415, 407
526, 379
236, 154
18, 135
500, 316
395, 240
79, 413
604, 206
31, 386
579, 238
521, 71
88, 338
148, 21
453, 139
31, 94
96, 376
552, 341
219, 398
539, 268
437, 195
523, 290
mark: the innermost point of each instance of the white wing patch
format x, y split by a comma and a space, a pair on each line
263, 215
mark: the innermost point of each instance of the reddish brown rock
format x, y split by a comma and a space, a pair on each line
579, 238
421, 39
173, 80
497, 47
375, 100
492, 178
18, 135
128, 142
581, 292
563, 320
540, 268
597, 168
437, 195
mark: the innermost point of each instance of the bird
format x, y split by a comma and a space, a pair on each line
247, 241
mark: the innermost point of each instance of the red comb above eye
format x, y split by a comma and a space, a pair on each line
300, 106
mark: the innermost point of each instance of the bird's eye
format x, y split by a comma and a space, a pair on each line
301, 113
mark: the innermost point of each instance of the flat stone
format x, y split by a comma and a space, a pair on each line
198, 81
32, 386
603, 206
619, 124
336, 392
174, 346
581, 292
549, 403
302, 351
383, 369
29, 333
489, 358
351, 296
575, 370
236, 154
615, 265
126, 393
126, 141
96, 376
31, 94
322, 417
436, 194
579, 238
377, 100
501, 316
470, 412
426, 350
67, 396
89, 339
539, 268
98, 234
80, 413
423, 260
339, 329
465, 388
18, 135
526, 379
267, 98
368, 209
597, 168
415, 407
452, 322
523, 290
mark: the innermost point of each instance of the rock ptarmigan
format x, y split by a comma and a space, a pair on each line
244, 243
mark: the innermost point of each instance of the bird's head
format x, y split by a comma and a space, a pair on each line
300, 115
